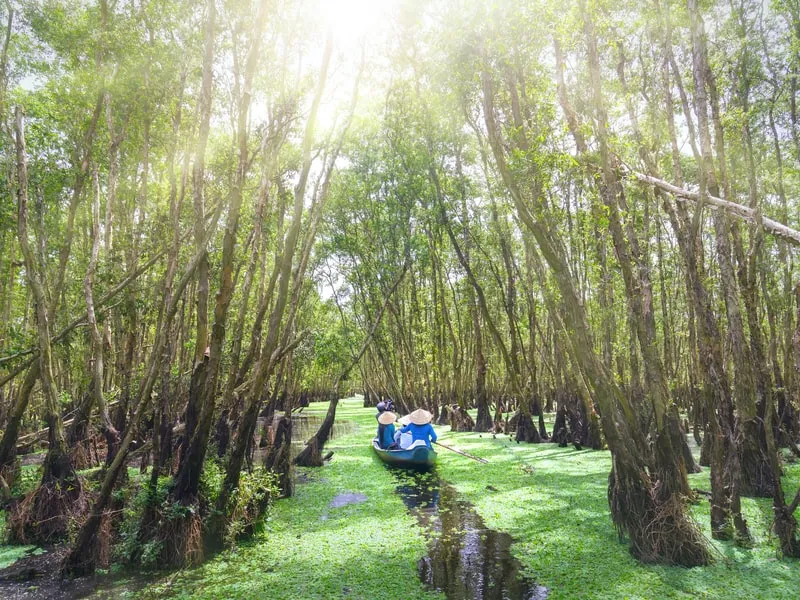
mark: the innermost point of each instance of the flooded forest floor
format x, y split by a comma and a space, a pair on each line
356, 529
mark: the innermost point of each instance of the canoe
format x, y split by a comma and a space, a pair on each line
418, 457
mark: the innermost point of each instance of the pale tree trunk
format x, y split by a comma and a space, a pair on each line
189, 474
57, 496
97, 376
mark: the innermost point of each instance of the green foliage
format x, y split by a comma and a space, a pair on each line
27, 480
211, 479
130, 548
251, 501
551, 500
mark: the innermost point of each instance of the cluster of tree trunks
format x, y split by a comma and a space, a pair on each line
508, 247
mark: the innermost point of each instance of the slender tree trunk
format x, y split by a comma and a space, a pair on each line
266, 363
81, 559
188, 478
634, 504
60, 489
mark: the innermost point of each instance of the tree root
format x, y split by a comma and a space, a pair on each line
460, 419
526, 430
278, 457
180, 537
44, 516
659, 530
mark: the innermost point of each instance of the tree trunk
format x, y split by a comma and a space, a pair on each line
634, 505
266, 363
59, 494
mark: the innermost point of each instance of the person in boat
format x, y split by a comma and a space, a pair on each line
383, 406
420, 428
386, 429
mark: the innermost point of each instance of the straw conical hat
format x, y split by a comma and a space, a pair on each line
420, 417
387, 417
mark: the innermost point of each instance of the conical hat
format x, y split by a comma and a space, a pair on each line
387, 417
420, 417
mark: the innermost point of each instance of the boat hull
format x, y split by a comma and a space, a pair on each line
419, 457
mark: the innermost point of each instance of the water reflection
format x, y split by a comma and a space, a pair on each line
466, 560
303, 427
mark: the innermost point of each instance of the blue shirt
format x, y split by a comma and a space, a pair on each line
385, 435
420, 432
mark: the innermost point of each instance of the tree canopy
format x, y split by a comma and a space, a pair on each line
217, 210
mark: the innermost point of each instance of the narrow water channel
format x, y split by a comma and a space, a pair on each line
466, 560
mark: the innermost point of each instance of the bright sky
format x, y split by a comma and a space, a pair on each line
357, 26
352, 19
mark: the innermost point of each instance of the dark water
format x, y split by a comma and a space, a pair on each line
466, 560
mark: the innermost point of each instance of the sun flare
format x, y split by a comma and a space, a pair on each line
351, 20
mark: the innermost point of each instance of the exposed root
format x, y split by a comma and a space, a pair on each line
673, 537
310, 456
659, 530
442, 418
500, 424
785, 527
179, 533
526, 430
678, 440
278, 457
460, 419
86, 453
81, 562
756, 477
44, 516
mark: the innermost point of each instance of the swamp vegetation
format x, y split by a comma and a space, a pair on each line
567, 230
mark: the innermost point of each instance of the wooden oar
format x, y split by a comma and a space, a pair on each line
462, 453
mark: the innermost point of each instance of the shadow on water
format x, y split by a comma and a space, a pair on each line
466, 560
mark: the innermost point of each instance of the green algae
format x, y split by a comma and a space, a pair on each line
552, 501
309, 549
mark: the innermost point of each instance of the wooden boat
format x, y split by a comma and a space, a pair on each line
419, 457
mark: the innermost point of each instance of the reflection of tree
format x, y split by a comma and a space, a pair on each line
420, 494
467, 560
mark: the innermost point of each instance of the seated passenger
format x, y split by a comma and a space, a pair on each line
383, 406
386, 429
420, 428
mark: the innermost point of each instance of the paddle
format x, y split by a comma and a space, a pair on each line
462, 453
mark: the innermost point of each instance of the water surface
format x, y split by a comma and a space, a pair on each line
466, 560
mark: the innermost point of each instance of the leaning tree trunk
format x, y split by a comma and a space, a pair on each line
278, 458
187, 480
46, 516
8, 445
657, 527
97, 376
671, 470
266, 364
81, 559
